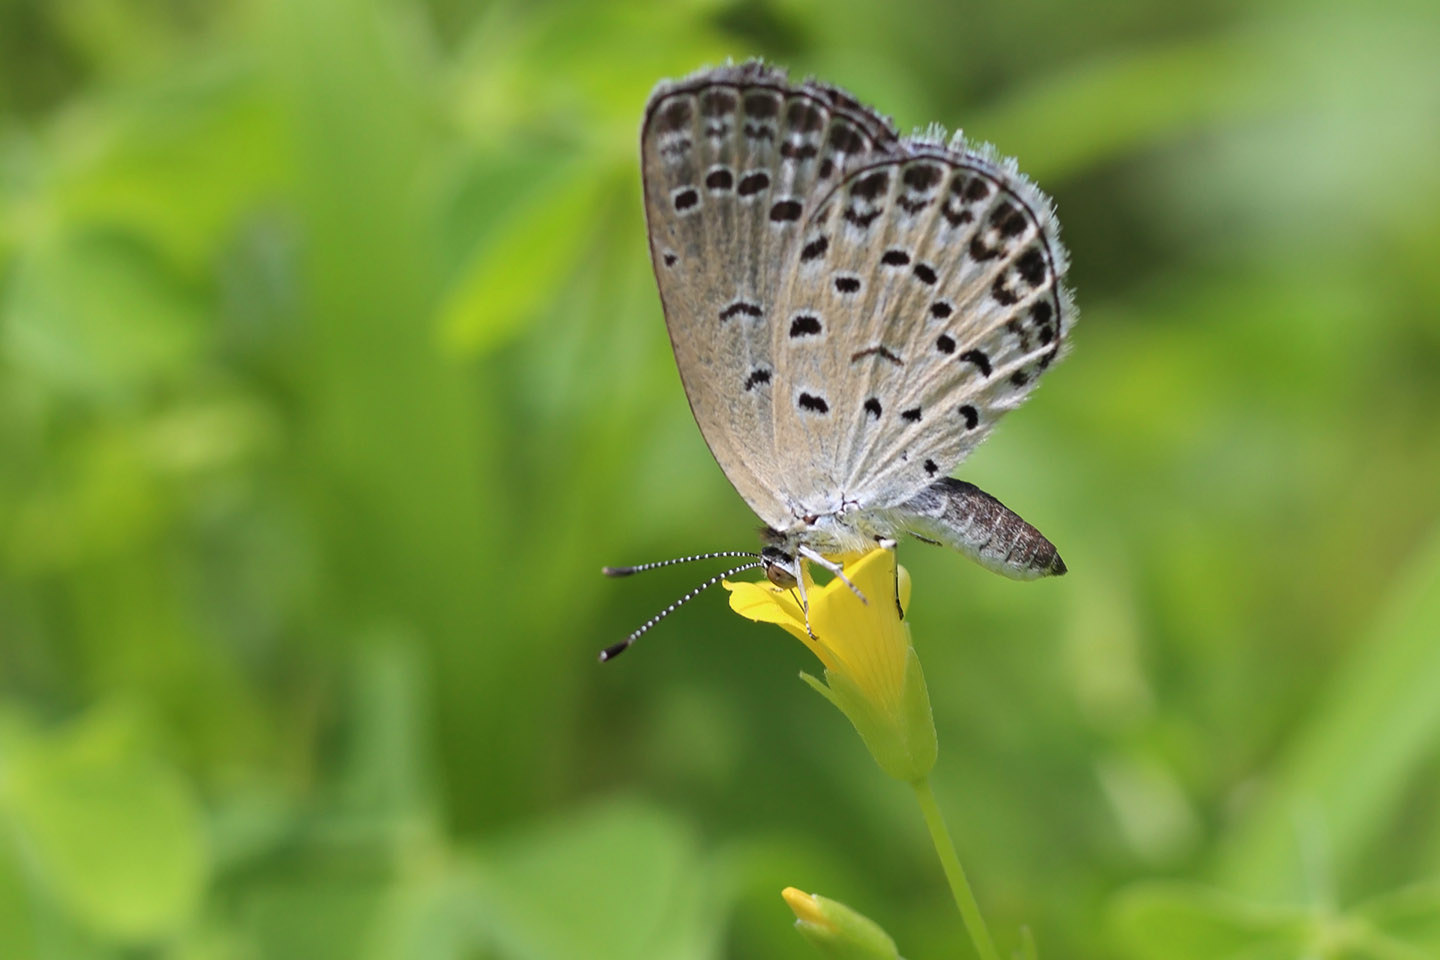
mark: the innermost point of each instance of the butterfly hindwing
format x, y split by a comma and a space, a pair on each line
935, 307
735, 160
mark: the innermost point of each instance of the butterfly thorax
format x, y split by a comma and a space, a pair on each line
849, 529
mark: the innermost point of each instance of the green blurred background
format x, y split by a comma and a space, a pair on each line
332, 370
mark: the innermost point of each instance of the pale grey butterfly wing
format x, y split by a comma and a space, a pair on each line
924, 303
734, 161
850, 312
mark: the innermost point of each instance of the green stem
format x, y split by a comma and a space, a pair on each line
959, 886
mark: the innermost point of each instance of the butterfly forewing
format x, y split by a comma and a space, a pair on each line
933, 309
735, 161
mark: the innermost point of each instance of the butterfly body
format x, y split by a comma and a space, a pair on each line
850, 310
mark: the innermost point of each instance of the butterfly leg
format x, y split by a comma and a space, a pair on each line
834, 568
804, 598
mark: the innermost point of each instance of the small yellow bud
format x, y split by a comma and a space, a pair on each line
836, 930
803, 905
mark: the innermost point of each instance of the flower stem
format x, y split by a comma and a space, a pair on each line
959, 886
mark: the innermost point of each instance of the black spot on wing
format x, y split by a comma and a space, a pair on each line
845, 138
812, 403
877, 351
895, 258
910, 416
675, 116
976, 189
945, 343
715, 103
980, 250
798, 151
873, 408
922, 176
805, 325
1031, 266
861, 220
956, 216
979, 358
721, 179
784, 211
847, 284
1008, 219
972, 418
815, 248
762, 105
871, 185
739, 307
1016, 327
1041, 312
804, 116
753, 183
1002, 292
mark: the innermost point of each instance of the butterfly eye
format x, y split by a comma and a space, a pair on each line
778, 567
780, 576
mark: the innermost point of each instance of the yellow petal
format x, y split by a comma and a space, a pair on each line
869, 641
766, 603
871, 672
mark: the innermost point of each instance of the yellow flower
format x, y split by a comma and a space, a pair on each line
836, 930
871, 671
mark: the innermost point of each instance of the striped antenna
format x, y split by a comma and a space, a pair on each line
641, 568
610, 653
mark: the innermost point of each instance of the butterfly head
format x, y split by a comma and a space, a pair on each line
779, 567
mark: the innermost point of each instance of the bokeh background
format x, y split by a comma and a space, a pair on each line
332, 370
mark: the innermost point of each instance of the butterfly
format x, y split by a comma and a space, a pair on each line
851, 312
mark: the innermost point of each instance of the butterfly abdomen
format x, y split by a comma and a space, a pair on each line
962, 516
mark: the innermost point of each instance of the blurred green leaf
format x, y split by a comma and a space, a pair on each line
97, 315
521, 267
317, 914
110, 831
17, 915
1114, 105
616, 882
1410, 916
177, 164
1353, 763
430, 916
1178, 921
